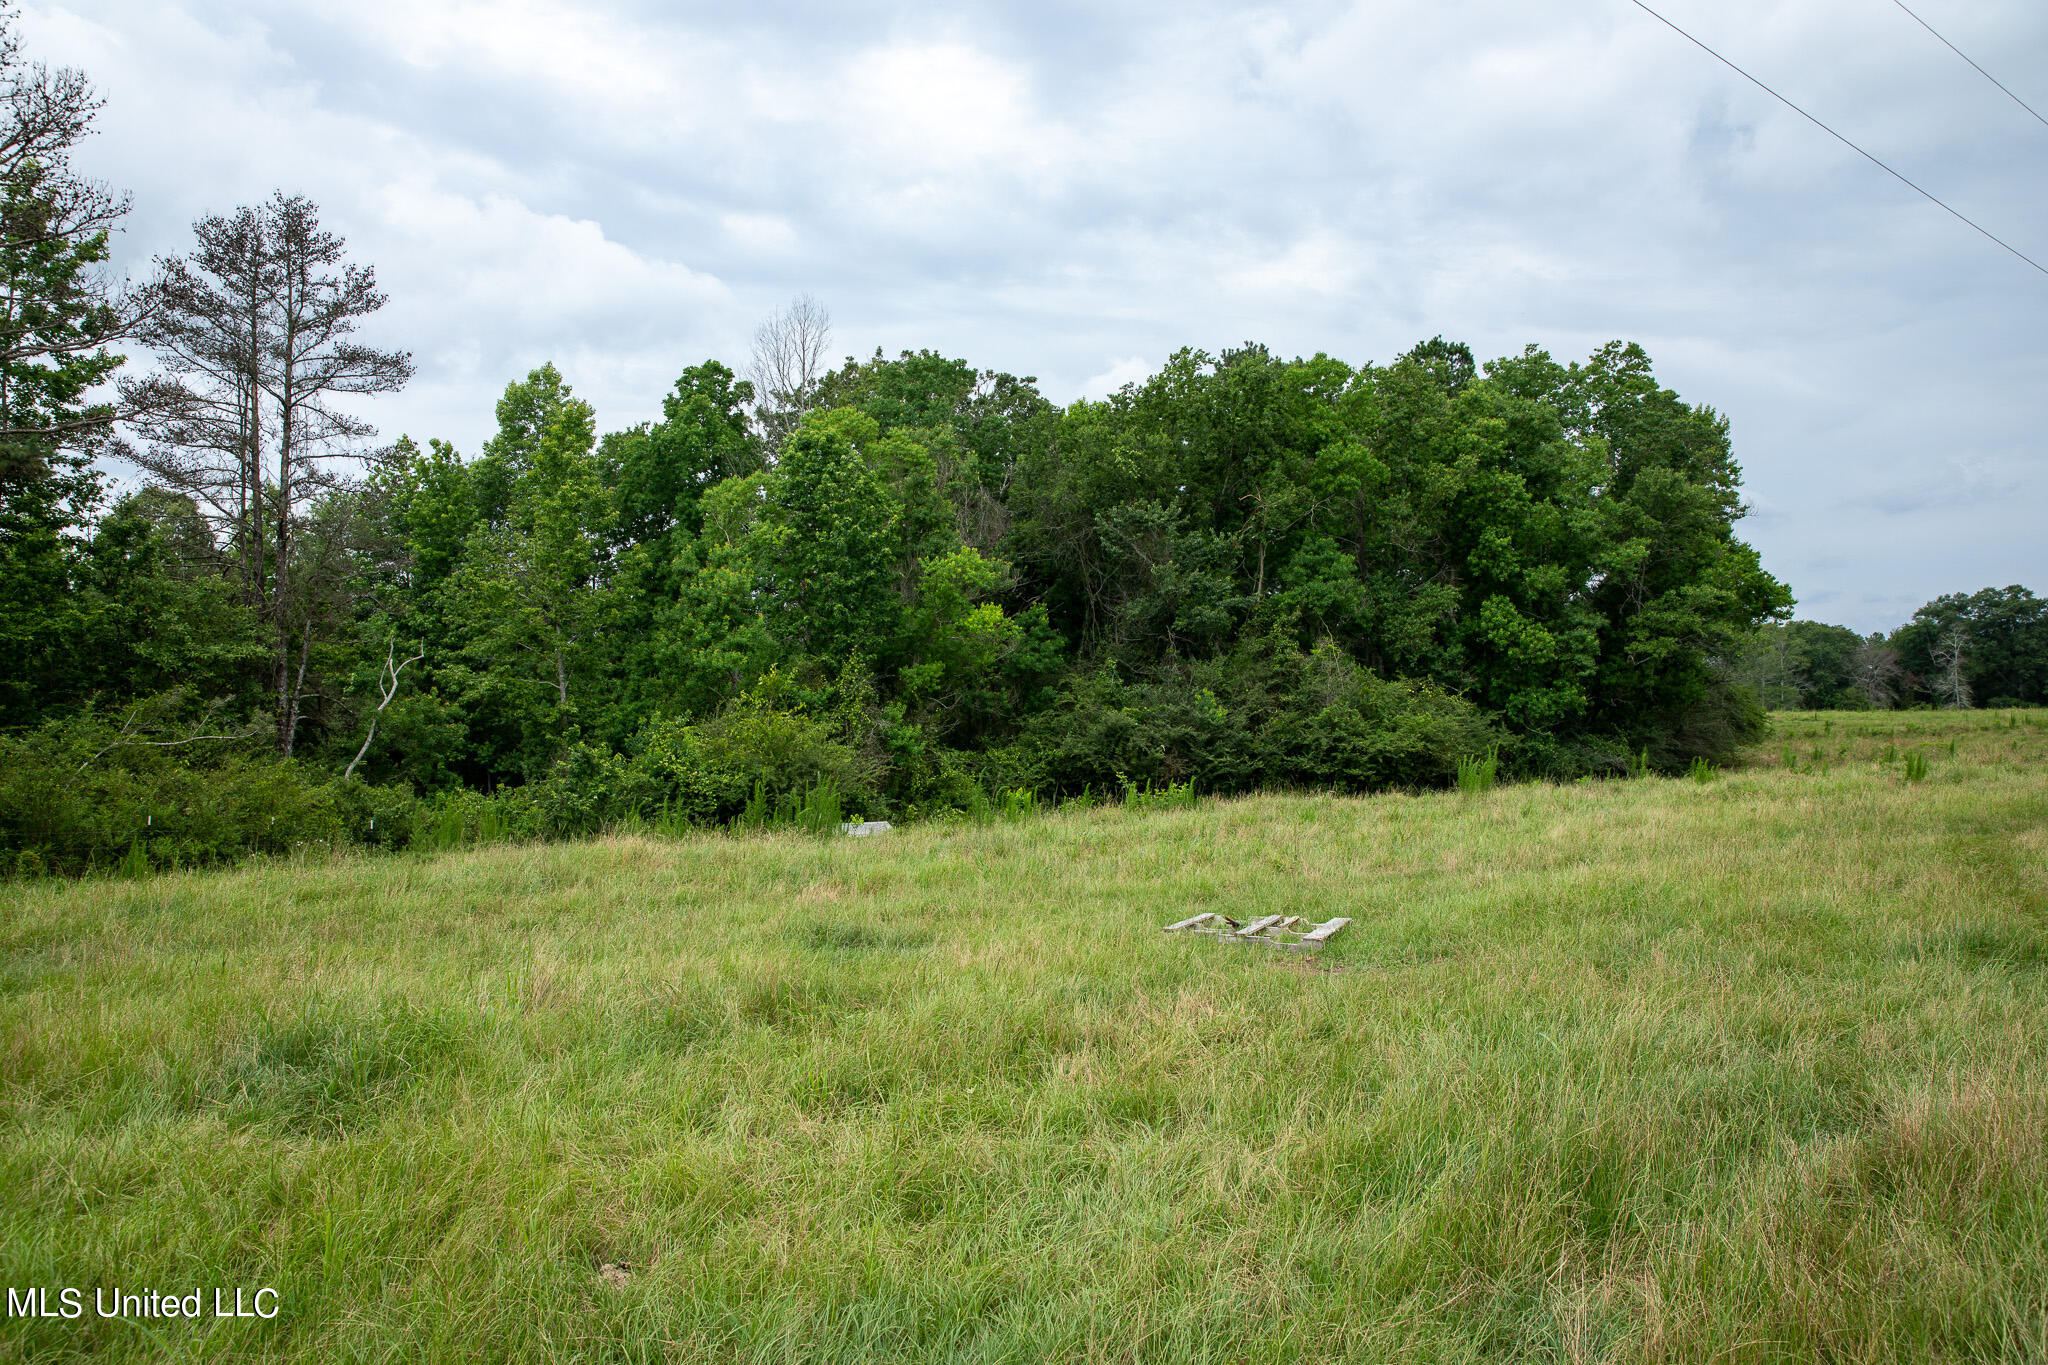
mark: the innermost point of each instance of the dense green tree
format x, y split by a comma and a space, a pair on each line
823, 547
60, 316
1808, 665
2004, 636
526, 598
1554, 541
1245, 570
60, 319
661, 470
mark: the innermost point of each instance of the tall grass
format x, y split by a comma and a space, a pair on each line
1608, 1071
1478, 773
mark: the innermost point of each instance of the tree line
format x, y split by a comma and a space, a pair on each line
899, 585
1987, 648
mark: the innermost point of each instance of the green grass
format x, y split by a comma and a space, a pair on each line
1750, 1069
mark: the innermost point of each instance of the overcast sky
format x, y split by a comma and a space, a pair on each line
1075, 191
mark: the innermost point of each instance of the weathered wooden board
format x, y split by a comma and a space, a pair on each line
1275, 931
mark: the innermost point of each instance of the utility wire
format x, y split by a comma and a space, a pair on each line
1837, 136
1966, 57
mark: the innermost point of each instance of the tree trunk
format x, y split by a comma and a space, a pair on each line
287, 710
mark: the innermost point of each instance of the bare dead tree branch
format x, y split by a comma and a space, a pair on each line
1949, 654
388, 684
134, 728
788, 362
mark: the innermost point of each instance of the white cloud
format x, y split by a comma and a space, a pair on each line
571, 49
1129, 370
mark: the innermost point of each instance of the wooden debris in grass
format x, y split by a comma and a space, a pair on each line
1275, 931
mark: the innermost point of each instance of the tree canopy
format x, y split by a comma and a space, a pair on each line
912, 580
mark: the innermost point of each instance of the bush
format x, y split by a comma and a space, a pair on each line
1323, 721
1104, 732
1720, 719
1270, 715
751, 752
89, 792
451, 819
590, 788
379, 817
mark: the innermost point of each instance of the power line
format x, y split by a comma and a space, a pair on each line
1838, 137
1966, 57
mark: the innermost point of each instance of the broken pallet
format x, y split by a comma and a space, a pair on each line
1275, 931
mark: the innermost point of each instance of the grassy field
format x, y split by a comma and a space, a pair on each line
1747, 1069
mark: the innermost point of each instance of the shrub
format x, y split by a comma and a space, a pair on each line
90, 792
1720, 718
1269, 715
751, 754
590, 788
1104, 732
1172, 796
380, 817
821, 810
453, 818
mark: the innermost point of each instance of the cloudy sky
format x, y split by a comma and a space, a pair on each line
1074, 191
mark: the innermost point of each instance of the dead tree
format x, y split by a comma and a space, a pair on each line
789, 360
1877, 673
255, 331
1951, 688
202, 417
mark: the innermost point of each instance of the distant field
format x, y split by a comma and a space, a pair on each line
1749, 1069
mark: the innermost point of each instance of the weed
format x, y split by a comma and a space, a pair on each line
821, 811
1916, 767
1477, 773
1702, 771
1170, 796
758, 813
